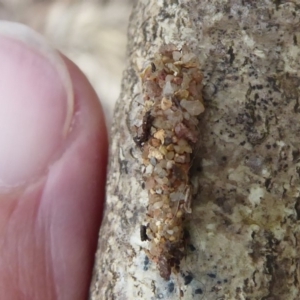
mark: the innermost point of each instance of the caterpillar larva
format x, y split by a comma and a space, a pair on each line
172, 92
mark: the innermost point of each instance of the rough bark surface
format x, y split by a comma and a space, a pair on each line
245, 225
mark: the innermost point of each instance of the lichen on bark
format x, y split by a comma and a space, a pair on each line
245, 225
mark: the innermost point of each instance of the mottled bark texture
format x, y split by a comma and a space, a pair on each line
245, 226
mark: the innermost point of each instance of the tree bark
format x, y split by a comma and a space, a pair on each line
245, 222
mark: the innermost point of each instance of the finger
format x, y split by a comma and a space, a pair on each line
52, 170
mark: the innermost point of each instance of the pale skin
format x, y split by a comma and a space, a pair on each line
50, 205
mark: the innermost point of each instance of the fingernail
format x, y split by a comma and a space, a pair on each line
36, 104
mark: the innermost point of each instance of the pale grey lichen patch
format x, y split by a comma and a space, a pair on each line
244, 229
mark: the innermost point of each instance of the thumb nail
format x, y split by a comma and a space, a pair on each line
36, 104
